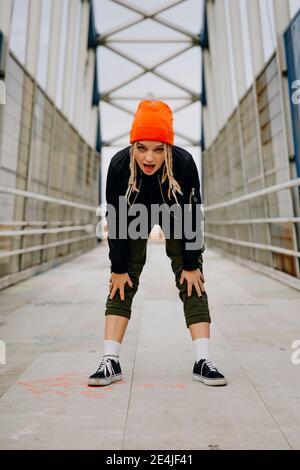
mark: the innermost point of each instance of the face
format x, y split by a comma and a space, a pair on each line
149, 155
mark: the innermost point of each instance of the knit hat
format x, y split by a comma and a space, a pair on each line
153, 120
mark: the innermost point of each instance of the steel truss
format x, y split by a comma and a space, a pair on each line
189, 41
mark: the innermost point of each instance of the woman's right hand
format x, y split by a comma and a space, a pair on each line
118, 281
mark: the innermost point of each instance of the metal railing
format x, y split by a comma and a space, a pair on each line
13, 233
247, 197
47, 157
89, 227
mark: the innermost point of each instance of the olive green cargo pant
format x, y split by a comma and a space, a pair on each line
195, 308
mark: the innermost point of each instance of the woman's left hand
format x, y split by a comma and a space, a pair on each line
193, 278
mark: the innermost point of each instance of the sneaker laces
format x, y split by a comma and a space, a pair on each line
211, 365
105, 365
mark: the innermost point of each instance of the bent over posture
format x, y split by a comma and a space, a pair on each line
154, 173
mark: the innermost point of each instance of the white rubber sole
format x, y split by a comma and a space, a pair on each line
211, 382
108, 381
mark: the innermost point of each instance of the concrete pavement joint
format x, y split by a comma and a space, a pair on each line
257, 392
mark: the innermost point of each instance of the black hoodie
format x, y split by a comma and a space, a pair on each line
152, 191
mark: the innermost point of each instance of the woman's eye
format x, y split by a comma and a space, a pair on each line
141, 149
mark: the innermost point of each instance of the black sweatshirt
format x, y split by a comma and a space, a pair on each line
152, 191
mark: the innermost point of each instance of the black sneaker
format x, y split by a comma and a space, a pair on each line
206, 372
109, 371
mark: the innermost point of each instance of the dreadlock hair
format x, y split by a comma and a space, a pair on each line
167, 172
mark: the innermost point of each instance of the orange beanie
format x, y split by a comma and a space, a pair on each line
153, 120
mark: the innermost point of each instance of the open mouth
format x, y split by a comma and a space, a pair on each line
148, 167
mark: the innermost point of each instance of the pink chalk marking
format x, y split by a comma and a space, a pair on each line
120, 382
60, 393
27, 385
62, 384
91, 387
92, 394
22, 383
180, 386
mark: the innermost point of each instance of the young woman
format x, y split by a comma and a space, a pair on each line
153, 171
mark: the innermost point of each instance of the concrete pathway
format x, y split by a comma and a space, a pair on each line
53, 328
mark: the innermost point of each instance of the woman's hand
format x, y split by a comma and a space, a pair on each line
193, 278
118, 281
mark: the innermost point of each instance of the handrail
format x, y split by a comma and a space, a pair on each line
259, 246
14, 233
261, 192
38, 222
28, 194
267, 220
41, 197
5, 254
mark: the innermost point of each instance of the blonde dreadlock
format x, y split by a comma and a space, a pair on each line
132, 178
167, 172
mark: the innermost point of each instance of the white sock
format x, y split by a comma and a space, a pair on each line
201, 348
111, 349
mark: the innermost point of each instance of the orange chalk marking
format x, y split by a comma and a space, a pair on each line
63, 384
92, 394
180, 386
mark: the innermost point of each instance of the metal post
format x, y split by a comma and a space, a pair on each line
33, 36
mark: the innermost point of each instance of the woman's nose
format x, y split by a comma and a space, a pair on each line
149, 156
